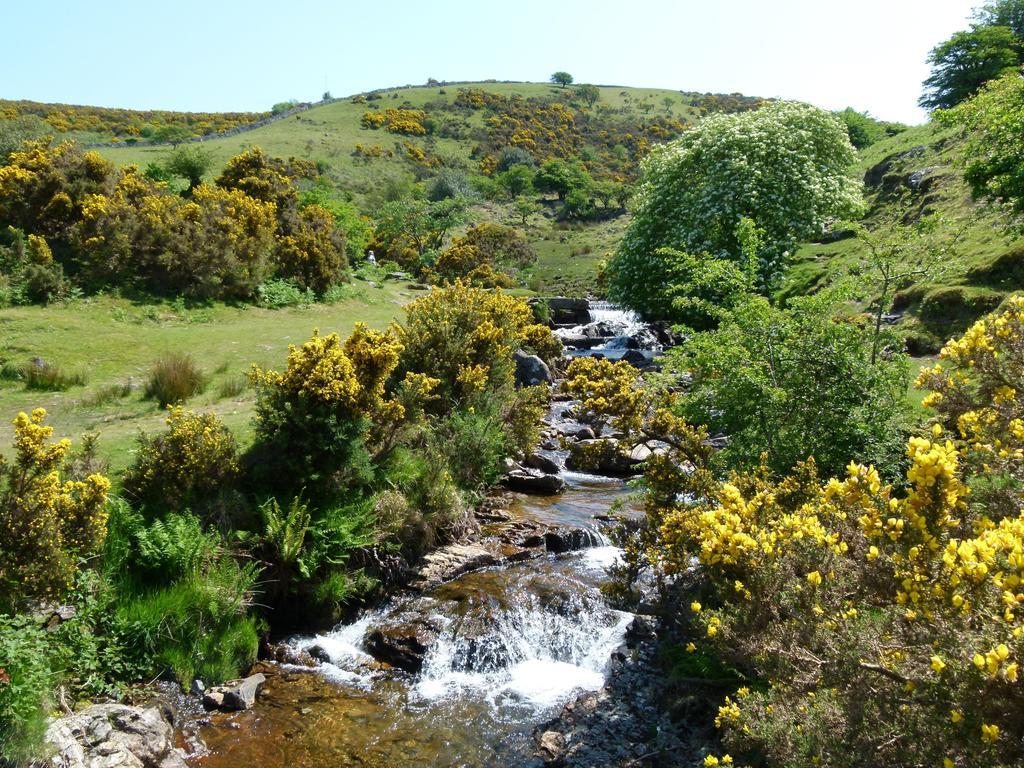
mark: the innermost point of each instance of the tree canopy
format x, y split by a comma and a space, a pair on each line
561, 78
968, 60
785, 167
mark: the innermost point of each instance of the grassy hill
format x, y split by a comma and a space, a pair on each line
332, 134
914, 173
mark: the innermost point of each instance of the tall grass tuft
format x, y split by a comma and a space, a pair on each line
47, 377
174, 378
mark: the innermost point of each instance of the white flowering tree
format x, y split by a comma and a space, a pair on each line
785, 166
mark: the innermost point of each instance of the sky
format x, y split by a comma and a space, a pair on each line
226, 55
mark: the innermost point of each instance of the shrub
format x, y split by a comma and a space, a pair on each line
46, 524
876, 623
512, 156
449, 183
464, 338
173, 379
190, 464
276, 294
327, 417
313, 253
794, 383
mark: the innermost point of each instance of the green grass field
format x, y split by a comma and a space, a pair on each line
114, 342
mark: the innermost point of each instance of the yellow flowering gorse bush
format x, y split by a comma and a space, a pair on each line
885, 621
46, 523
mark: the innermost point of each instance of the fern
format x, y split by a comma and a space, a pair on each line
285, 531
175, 546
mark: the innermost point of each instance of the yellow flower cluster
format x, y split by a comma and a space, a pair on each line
404, 121
46, 524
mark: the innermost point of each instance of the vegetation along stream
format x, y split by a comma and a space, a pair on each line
496, 651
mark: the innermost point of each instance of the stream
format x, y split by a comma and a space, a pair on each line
509, 646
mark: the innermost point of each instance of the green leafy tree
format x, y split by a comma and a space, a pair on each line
419, 225
897, 254
562, 177
172, 134
785, 166
561, 78
191, 164
516, 181
965, 62
1003, 13
993, 124
591, 94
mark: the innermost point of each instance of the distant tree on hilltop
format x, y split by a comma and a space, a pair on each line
561, 78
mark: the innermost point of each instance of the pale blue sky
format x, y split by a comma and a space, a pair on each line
220, 55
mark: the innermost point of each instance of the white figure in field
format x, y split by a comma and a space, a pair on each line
371, 259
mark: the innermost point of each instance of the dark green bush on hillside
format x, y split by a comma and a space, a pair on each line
794, 383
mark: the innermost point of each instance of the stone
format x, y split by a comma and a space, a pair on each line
530, 370
636, 358
197, 688
446, 563
551, 747
235, 696
115, 736
568, 311
534, 482
603, 456
403, 644
544, 463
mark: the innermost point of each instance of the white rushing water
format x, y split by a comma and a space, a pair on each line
531, 654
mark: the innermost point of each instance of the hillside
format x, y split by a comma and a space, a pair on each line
907, 175
371, 166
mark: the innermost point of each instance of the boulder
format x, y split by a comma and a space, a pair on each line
534, 482
636, 358
403, 644
551, 748
115, 736
603, 456
530, 370
446, 563
544, 463
568, 311
235, 696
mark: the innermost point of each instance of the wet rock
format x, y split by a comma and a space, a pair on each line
583, 432
636, 358
544, 463
579, 341
551, 748
235, 696
568, 311
666, 336
403, 644
534, 482
530, 370
283, 653
318, 653
198, 687
640, 629
604, 456
446, 563
115, 736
